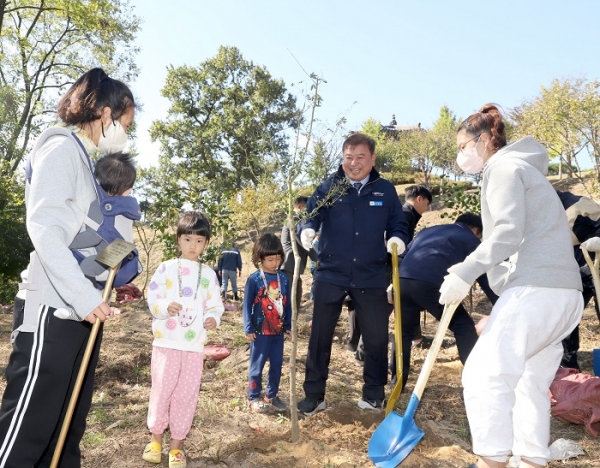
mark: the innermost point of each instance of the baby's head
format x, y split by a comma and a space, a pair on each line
116, 173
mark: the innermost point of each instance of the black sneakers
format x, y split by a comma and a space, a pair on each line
312, 404
371, 404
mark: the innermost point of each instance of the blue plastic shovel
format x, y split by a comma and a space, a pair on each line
397, 435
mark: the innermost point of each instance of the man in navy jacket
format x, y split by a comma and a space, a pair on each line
583, 215
422, 270
360, 217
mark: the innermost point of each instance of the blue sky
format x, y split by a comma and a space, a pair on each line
403, 57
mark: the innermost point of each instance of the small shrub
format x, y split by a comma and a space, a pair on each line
461, 197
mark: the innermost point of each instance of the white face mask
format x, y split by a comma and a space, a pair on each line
469, 160
112, 139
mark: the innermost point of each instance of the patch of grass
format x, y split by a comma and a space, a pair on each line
100, 415
208, 411
463, 430
143, 372
93, 439
237, 403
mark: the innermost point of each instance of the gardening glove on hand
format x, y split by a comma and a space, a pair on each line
592, 244
395, 240
453, 289
306, 238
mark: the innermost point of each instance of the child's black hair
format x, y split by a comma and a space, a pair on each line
115, 173
266, 245
193, 222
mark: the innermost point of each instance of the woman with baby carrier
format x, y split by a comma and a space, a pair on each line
527, 254
57, 305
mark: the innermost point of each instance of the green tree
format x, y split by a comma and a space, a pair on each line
228, 121
256, 209
392, 157
443, 137
14, 241
556, 119
164, 195
44, 46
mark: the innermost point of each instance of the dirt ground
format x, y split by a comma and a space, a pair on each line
226, 434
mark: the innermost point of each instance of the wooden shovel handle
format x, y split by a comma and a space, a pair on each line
435, 347
391, 404
594, 269
106, 292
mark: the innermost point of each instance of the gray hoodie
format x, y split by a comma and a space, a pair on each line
526, 237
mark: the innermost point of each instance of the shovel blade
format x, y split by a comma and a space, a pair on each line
114, 252
393, 440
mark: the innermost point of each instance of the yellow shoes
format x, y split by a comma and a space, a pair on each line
177, 459
152, 452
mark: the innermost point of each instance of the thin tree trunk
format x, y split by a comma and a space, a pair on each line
295, 429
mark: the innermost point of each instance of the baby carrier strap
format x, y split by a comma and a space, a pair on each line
33, 299
98, 228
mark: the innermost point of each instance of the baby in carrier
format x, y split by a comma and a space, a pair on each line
111, 215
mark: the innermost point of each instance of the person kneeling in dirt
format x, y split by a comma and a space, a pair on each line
422, 272
583, 215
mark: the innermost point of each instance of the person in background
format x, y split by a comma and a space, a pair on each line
424, 265
230, 264
417, 200
360, 217
527, 254
583, 215
289, 261
184, 300
267, 317
57, 306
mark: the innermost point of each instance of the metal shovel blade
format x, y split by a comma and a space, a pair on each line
114, 252
397, 435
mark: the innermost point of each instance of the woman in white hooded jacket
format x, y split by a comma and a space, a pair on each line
527, 255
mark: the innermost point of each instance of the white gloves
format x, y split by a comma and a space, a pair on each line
453, 289
395, 240
592, 244
306, 238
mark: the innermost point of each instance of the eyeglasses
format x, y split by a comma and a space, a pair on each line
461, 147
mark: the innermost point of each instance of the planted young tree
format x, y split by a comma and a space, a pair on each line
290, 170
148, 238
